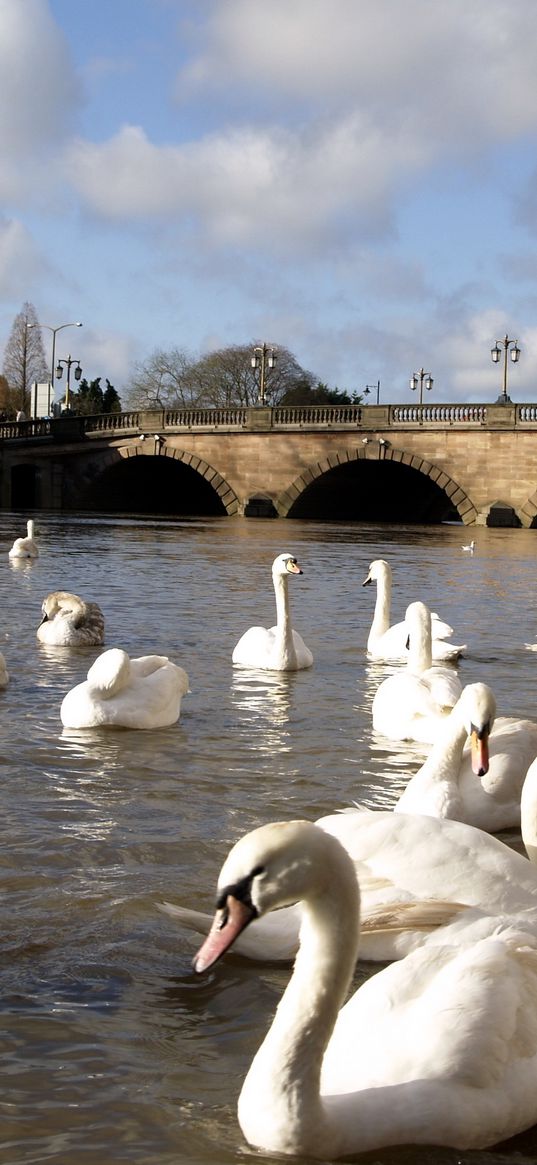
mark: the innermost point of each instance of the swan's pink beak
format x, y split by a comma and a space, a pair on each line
227, 926
293, 567
479, 749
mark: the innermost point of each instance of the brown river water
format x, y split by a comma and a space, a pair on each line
112, 1050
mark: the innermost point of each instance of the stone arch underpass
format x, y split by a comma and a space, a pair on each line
376, 482
148, 478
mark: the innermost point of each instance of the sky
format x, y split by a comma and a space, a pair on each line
354, 180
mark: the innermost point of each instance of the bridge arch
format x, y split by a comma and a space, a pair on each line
112, 471
365, 466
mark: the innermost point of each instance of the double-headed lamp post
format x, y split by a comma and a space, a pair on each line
68, 361
263, 357
54, 330
421, 380
496, 351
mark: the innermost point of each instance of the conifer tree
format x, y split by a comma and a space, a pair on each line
24, 358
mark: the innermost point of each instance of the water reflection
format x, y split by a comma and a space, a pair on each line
263, 700
112, 1051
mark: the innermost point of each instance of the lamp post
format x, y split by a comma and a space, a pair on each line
263, 357
54, 330
68, 361
496, 352
421, 380
373, 388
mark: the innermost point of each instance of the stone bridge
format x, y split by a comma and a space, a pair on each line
476, 463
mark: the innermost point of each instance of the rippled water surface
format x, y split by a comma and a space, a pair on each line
112, 1050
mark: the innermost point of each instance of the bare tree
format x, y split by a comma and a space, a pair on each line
24, 357
159, 382
219, 380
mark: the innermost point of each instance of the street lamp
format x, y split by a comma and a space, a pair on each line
422, 380
77, 373
263, 357
373, 388
54, 330
496, 352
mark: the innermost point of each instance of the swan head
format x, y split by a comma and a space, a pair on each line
110, 672
476, 709
60, 602
285, 564
377, 569
275, 865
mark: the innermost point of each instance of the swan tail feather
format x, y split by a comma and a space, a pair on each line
426, 915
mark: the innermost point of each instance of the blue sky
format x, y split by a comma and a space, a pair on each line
353, 179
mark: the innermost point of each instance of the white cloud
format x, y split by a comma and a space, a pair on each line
38, 95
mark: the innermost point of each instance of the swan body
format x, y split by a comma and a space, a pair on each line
439, 1049
412, 704
278, 648
470, 547
387, 642
477, 765
126, 693
25, 547
416, 874
69, 621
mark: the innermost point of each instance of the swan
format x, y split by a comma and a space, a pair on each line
387, 642
413, 703
438, 1049
279, 648
126, 693
470, 547
70, 621
25, 547
416, 874
480, 784
4, 674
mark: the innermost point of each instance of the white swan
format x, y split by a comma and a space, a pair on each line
417, 874
387, 642
278, 648
412, 704
126, 693
4, 674
470, 547
69, 621
439, 1049
25, 547
477, 765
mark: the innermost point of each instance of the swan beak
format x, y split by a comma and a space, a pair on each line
293, 567
367, 580
479, 748
45, 618
227, 926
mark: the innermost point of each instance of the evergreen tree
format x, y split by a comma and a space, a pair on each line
24, 358
111, 400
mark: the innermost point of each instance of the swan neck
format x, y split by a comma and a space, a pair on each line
284, 633
280, 1105
381, 614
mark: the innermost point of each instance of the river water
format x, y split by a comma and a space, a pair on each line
112, 1049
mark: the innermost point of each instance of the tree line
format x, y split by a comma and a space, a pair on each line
168, 378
